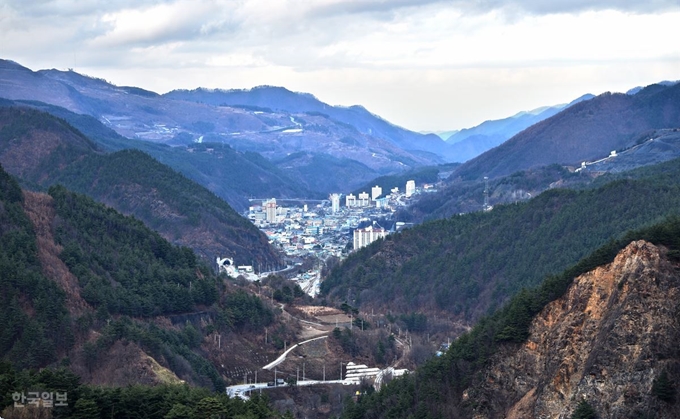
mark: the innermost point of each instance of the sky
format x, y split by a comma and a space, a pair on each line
426, 65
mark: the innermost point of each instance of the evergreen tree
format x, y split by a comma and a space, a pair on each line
584, 411
663, 388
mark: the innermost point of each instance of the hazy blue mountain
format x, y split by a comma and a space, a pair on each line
272, 98
297, 124
471, 142
635, 90
586, 131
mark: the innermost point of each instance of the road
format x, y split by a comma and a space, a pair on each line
282, 358
241, 390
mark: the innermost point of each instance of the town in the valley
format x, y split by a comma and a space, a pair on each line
310, 233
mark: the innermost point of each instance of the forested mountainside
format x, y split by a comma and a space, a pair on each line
459, 196
586, 131
423, 175
469, 264
471, 142
89, 295
43, 150
598, 340
232, 175
275, 134
456, 196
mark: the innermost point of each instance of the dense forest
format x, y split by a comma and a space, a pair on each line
470, 264
122, 266
43, 150
456, 196
138, 290
435, 390
144, 402
30, 340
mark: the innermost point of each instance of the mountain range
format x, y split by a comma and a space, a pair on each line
471, 142
43, 150
567, 282
587, 131
271, 121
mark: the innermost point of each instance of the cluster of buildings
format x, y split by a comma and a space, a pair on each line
326, 228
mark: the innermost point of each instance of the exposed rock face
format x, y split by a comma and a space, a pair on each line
606, 341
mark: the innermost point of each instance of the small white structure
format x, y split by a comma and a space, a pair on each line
356, 372
226, 265
350, 201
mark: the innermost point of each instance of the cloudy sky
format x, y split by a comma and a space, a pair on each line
422, 64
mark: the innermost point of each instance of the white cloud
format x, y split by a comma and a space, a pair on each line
422, 64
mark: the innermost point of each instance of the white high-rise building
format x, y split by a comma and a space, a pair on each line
376, 191
350, 201
335, 203
270, 210
363, 200
365, 236
410, 187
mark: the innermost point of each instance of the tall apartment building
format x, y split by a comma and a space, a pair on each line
335, 202
270, 210
363, 200
410, 188
376, 191
365, 236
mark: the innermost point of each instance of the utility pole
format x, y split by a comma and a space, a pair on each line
324, 371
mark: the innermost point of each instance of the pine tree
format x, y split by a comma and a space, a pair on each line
663, 388
584, 411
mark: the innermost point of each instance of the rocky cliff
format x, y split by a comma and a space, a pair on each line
606, 341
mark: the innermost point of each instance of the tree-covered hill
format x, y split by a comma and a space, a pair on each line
469, 264
586, 131
447, 386
149, 312
232, 175
43, 150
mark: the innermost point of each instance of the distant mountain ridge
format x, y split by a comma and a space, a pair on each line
282, 99
586, 131
471, 142
43, 150
298, 123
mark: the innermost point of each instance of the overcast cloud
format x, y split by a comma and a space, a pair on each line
425, 65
